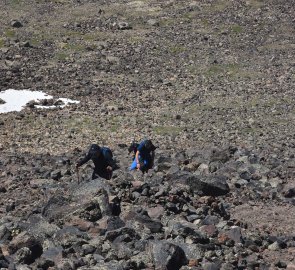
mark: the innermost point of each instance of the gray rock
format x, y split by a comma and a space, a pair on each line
140, 260
153, 22
66, 264
10, 206
112, 235
102, 198
90, 211
245, 175
5, 234
39, 227
88, 249
290, 193
24, 255
235, 234
70, 236
56, 174
153, 225
22, 267
210, 220
24, 239
167, 255
210, 266
16, 24
124, 26
208, 185
52, 255
274, 246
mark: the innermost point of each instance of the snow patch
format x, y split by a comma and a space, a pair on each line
15, 100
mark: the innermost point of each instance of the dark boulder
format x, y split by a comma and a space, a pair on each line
90, 211
16, 24
208, 185
112, 235
24, 255
167, 256
25, 240
153, 225
290, 193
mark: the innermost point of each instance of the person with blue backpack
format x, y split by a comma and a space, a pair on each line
102, 158
144, 156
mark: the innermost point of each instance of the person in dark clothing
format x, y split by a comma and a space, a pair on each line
102, 158
144, 157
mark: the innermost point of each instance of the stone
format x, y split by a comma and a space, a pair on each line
23, 240
209, 185
203, 169
81, 224
10, 206
235, 234
290, 266
168, 256
153, 225
124, 26
24, 255
45, 263
156, 212
102, 198
90, 211
5, 234
112, 235
154, 22
56, 174
210, 220
274, 246
88, 249
16, 24
210, 266
209, 230
290, 193
188, 231
245, 175
52, 254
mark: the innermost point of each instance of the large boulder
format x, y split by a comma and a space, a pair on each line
215, 185
38, 227
167, 256
31, 247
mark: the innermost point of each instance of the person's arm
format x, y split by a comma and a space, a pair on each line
111, 164
83, 161
137, 160
108, 157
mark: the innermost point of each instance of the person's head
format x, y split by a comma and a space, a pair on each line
133, 147
148, 144
95, 150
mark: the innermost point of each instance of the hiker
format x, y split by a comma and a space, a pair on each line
133, 149
144, 157
102, 158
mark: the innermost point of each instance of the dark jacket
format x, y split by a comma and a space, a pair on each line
102, 157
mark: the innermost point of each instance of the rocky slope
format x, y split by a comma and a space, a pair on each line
210, 82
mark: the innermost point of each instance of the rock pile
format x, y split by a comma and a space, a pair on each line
178, 216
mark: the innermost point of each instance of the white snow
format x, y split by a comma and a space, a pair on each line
15, 100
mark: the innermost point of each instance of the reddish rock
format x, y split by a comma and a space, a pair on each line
222, 238
291, 266
156, 212
20, 241
82, 224
209, 230
137, 184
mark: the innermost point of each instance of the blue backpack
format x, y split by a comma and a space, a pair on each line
107, 153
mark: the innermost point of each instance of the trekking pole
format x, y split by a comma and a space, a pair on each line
78, 175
